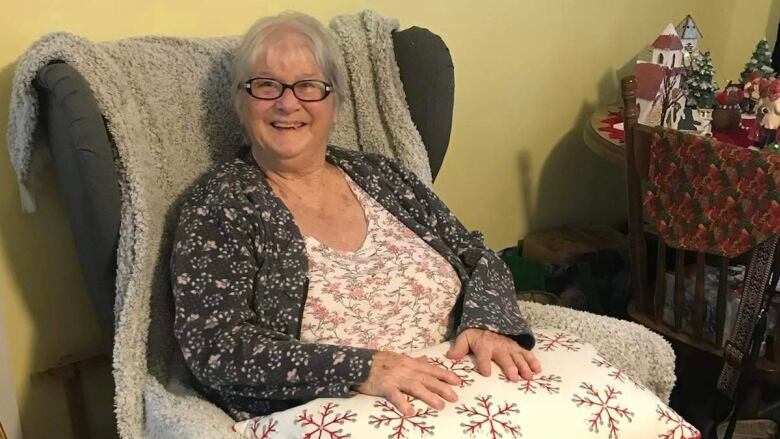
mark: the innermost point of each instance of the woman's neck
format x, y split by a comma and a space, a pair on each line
294, 175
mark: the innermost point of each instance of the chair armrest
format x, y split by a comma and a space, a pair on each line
178, 412
641, 353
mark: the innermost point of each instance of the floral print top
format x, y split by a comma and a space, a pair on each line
240, 280
393, 293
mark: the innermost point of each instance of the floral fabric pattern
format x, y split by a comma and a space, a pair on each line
712, 197
394, 293
240, 279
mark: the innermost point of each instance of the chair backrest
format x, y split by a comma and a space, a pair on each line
650, 295
82, 149
649, 263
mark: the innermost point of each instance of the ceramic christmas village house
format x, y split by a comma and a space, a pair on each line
676, 89
660, 81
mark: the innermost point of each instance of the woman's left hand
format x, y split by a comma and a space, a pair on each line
488, 346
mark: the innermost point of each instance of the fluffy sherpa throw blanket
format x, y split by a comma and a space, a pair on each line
167, 104
375, 118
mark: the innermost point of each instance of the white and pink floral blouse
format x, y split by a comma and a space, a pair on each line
394, 293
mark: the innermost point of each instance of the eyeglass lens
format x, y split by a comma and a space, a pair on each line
311, 90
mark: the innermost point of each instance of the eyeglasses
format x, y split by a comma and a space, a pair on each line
267, 89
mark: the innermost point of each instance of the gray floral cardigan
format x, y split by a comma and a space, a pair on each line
239, 275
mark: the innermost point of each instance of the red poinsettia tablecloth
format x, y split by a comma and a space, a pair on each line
612, 127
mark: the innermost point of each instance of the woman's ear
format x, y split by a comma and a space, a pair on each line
240, 106
336, 113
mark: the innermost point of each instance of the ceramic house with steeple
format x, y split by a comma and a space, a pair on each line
660, 80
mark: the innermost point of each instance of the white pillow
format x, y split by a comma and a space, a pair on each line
577, 395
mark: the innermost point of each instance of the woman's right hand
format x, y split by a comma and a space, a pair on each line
393, 376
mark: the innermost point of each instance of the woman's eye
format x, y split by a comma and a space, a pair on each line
314, 85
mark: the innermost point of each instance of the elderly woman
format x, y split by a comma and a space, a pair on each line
302, 270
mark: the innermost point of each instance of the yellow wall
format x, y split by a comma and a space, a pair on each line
528, 73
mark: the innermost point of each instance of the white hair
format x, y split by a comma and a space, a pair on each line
318, 39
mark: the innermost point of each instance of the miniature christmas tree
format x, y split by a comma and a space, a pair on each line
761, 60
701, 86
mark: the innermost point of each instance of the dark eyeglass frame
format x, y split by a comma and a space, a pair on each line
247, 86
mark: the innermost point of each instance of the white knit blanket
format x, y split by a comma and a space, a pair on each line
167, 103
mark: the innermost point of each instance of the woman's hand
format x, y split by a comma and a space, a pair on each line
487, 345
393, 376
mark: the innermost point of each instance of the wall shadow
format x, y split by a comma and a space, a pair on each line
575, 185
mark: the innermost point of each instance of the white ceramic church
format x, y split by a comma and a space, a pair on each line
667, 63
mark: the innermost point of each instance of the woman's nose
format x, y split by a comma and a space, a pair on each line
287, 102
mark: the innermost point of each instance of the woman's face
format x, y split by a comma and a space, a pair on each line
287, 128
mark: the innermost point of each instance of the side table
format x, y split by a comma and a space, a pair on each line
601, 138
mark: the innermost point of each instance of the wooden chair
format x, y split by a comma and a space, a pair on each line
740, 353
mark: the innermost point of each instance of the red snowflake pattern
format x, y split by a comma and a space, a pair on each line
325, 425
545, 382
462, 368
680, 429
547, 343
262, 430
401, 423
482, 415
607, 408
616, 373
